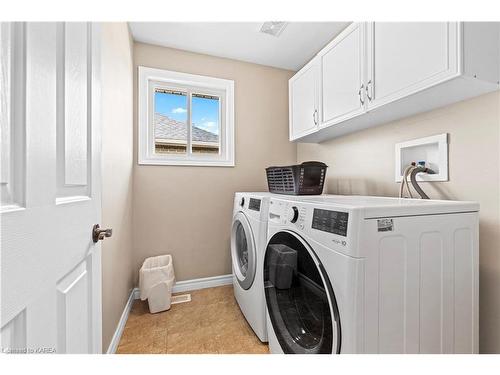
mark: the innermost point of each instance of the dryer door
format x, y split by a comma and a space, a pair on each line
299, 297
243, 252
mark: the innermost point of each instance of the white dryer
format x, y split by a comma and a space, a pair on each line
352, 274
248, 243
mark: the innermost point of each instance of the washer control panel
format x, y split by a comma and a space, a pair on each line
297, 215
254, 204
286, 212
293, 214
330, 221
328, 224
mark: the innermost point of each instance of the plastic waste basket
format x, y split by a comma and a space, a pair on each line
156, 280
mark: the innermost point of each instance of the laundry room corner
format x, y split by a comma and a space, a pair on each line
186, 211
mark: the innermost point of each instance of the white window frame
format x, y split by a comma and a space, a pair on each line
151, 78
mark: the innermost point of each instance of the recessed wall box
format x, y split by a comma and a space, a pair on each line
433, 150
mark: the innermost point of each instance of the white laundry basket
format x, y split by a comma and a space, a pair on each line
156, 280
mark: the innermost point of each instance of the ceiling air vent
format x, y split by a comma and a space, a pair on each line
273, 28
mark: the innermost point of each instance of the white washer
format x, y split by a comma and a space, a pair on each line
353, 274
248, 243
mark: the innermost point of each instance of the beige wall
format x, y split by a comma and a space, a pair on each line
186, 211
363, 163
117, 168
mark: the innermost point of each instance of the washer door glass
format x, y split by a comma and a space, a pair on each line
299, 297
243, 251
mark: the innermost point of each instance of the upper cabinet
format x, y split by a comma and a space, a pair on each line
375, 72
407, 57
303, 92
342, 78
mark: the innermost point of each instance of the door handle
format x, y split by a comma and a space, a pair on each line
99, 234
360, 94
314, 117
367, 90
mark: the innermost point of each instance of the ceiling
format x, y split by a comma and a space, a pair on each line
296, 45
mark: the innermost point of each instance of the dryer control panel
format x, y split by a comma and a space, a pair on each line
333, 226
330, 221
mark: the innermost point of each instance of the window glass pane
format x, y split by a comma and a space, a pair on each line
170, 122
205, 124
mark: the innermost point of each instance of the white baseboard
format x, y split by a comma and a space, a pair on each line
206, 282
113, 345
180, 286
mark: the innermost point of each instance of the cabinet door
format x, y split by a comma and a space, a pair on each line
342, 64
408, 57
303, 101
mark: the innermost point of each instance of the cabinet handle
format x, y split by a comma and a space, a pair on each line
314, 117
360, 94
367, 90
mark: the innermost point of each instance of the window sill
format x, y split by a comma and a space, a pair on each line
188, 163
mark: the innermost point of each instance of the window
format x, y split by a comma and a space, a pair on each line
185, 119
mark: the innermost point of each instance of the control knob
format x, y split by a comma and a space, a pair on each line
293, 214
242, 201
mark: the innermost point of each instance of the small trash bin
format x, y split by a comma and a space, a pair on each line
156, 280
283, 266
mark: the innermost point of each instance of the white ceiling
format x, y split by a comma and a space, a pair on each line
296, 45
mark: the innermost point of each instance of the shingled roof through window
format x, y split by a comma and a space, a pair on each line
167, 128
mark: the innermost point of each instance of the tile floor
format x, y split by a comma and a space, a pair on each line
211, 323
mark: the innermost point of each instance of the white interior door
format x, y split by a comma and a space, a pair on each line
406, 57
342, 76
50, 181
